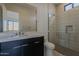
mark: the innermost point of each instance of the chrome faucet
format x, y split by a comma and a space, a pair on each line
21, 33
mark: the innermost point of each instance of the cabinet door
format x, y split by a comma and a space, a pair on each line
7, 48
35, 48
17, 50
27, 50
38, 46
32, 50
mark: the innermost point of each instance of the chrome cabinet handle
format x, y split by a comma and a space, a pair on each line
20, 46
37, 42
4, 53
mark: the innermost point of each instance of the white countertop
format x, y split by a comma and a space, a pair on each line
19, 37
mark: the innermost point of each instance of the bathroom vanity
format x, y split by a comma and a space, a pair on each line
22, 46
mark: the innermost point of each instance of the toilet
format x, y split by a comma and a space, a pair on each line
49, 49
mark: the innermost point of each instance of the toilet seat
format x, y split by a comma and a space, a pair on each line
49, 45
48, 49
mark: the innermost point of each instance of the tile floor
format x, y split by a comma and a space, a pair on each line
57, 53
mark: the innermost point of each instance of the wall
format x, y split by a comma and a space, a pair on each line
1, 21
27, 20
3, 13
42, 20
46, 25
70, 17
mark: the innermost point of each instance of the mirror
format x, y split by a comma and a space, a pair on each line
18, 17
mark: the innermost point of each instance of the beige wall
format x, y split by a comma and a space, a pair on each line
65, 18
26, 16
42, 20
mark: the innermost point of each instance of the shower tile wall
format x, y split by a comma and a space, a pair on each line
64, 19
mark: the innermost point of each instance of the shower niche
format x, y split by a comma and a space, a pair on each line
66, 36
69, 28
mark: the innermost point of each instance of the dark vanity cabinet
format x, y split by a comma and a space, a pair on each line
23, 47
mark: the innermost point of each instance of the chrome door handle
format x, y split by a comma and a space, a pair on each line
20, 46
